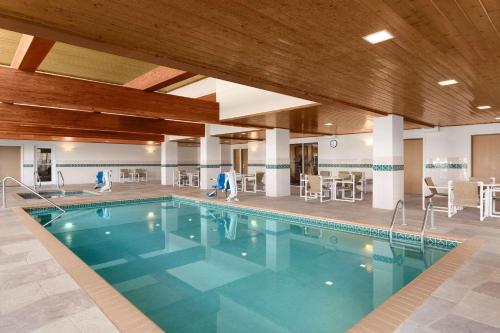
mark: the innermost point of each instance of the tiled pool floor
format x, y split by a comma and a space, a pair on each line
468, 301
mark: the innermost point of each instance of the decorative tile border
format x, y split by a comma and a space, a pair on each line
226, 164
189, 164
388, 167
283, 217
446, 166
346, 165
277, 166
27, 165
173, 165
210, 166
256, 164
100, 165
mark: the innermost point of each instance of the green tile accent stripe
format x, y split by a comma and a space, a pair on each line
27, 165
256, 164
209, 166
226, 164
93, 165
446, 166
277, 166
345, 165
259, 212
169, 165
388, 167
189, 164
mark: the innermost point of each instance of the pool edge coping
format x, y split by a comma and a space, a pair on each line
386, 317
125, 316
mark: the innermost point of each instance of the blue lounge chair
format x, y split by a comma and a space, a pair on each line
99, 180
220, 185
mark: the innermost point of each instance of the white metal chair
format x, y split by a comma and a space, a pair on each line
468, 194
315, 188
126, 175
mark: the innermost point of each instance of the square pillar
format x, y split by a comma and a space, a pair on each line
169, 161
388, 163
277, 162
209, 161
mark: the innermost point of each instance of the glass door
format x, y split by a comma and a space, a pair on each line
296, 163
43, 161
303, 159
311, 158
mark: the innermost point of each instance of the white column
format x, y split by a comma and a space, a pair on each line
388, 173
209, 160
225, 158
277, 162
169, 161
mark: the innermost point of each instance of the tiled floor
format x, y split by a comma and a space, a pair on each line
469, 301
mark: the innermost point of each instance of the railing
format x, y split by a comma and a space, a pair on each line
37, 182
399, 205
4, 197
59, 178
429, 209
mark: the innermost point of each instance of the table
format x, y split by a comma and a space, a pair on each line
334, 181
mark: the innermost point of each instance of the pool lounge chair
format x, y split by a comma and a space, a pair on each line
466, 194
316, 189
435, 193
220, 185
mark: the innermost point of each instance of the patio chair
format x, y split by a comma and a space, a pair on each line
126, 175
181, 178
344, 175
485, 180
315, 188
141, 174
260, 178
348, 185
465, 194
434, 193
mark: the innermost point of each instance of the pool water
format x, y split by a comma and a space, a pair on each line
196, 268
53, 194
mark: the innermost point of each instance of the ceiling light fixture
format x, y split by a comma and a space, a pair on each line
378, 37
447, 82
497, 118
328, 124
483, 107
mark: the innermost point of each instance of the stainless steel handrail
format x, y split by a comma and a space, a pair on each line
429, 208
60, 177
399, 204
4, 197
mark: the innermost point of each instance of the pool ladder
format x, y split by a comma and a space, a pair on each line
60, 178
429, 213
4, 197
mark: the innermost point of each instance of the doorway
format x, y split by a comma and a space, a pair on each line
413, 165
303, 159
10, 163
486, 156
44, 159
240, 161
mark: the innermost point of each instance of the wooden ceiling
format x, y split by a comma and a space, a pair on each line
313, 50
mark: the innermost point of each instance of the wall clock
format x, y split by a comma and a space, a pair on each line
333, 143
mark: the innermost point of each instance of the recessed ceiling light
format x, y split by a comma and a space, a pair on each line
483, 107
378, 37
447, 82
328, 283
328, 124
497, 118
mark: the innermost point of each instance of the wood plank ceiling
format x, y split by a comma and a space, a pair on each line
314, 51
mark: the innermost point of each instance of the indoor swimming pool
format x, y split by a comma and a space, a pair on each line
197, 267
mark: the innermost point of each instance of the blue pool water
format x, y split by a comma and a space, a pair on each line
196, 268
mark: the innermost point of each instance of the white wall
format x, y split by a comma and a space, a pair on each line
447, 151
236, 100
79, 162
188, 158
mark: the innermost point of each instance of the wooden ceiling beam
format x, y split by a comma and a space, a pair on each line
68, 93
30, 52
158, 78
70, 134
41, 116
